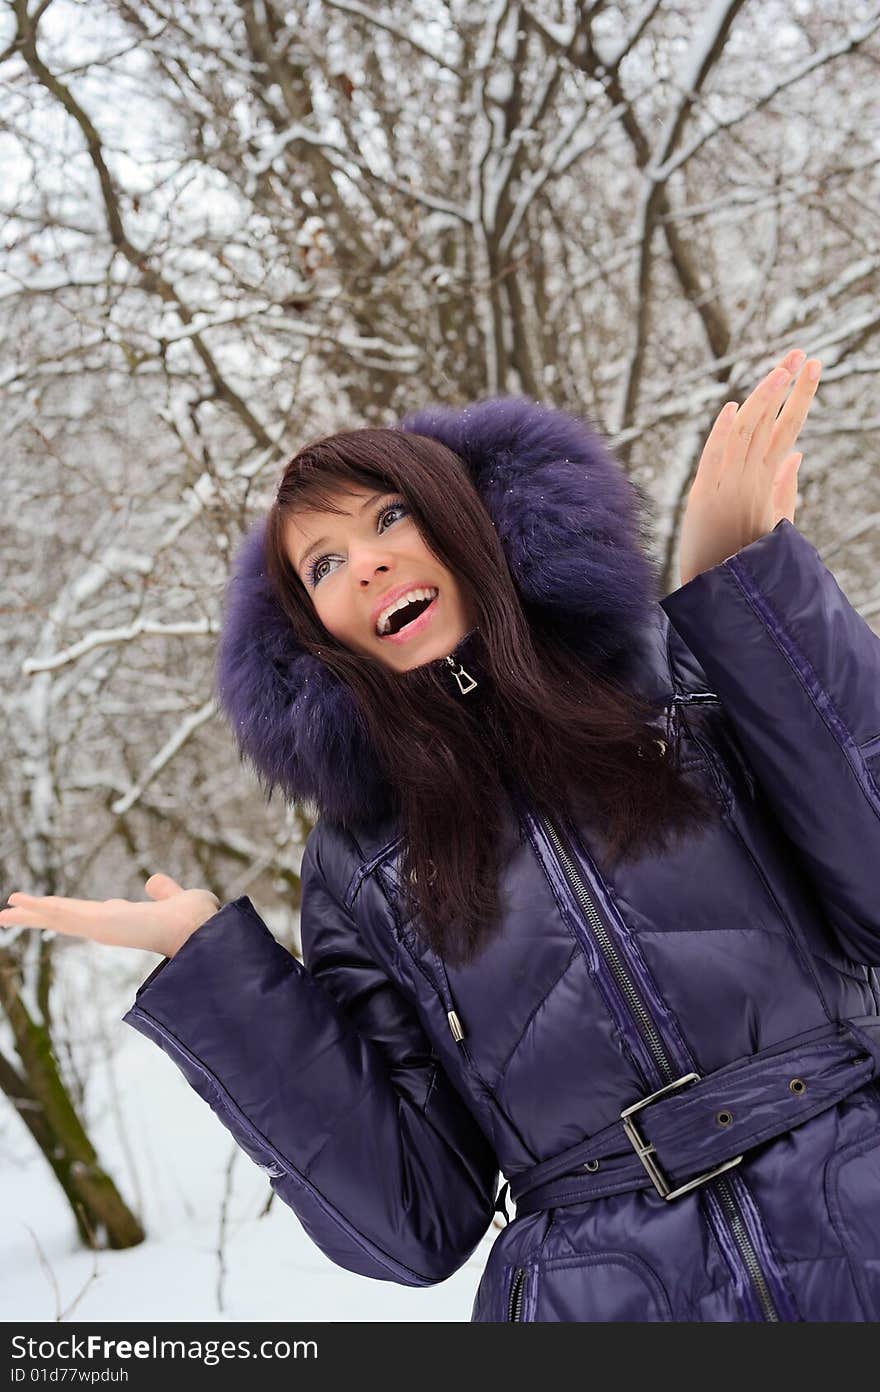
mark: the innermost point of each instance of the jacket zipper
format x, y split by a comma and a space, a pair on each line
465, 681
736, 1224
515, 1299
625, 985
640, 1013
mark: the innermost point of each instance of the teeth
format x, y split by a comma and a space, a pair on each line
382, 624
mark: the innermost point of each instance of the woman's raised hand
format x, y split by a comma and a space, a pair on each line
161, 926
746, 480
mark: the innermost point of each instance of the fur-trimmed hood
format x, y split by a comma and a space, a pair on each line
572, 529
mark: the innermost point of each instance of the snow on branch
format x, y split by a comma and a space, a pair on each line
109, 637
669, 164
172, 746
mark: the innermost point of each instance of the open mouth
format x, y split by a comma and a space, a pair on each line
409, 618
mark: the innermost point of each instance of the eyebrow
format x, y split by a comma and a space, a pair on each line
316, 544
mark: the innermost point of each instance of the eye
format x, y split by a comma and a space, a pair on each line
316, 573
396, 506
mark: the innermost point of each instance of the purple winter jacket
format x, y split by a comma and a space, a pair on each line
387, 1093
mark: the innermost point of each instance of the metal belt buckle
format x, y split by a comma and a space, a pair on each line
647, 1154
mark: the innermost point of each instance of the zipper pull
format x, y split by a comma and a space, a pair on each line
461, 673
455, 1026
452, 1019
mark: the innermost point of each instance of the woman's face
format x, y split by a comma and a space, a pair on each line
356, 565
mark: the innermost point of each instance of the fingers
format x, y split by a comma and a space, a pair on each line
158, 927
162, 887
759, 435
758, 412
81, 918
792, 360
734, 427
709, 469
757, 424
758, 400
753, 434
791, 418
26, 911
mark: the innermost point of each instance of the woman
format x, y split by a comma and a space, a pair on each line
592, 897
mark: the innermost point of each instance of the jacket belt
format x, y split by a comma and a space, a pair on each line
695, 1127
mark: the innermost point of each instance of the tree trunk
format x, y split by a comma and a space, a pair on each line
39, 1096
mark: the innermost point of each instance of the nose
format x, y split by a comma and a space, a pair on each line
366, 560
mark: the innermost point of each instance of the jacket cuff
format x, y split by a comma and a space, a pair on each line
218, 926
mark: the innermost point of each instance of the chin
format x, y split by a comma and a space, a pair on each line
409, 664
403, 661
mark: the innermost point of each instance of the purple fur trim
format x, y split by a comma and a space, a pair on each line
569, 521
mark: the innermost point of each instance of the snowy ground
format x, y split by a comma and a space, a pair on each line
171, 1158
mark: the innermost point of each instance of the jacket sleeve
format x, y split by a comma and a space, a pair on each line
324, 1076
797, 672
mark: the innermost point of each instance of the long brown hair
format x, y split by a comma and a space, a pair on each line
565, 736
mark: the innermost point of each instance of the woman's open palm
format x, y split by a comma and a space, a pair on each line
746, 480
160, 926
